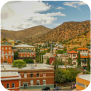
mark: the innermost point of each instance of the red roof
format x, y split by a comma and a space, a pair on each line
82, 48
72, 51
84, 56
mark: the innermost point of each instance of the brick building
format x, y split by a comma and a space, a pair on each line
33, 76
25, 51
7, 54
10, 80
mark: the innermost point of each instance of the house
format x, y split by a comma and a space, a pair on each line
50, 56
12, 42
25, 51
73, 55
7, 53
10, 80
84, 54
33, 76
82, 81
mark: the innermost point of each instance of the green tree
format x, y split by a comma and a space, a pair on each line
19, 63
70, 61
47, 60
88, 64
4, 39
28, 60
15, 55
42, 58
79, 60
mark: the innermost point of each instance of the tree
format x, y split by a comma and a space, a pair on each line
38, 58
19, 63
79, 60
15, 55
42, 58
4, 39
47, 60
28, 60
70, 61
88, 64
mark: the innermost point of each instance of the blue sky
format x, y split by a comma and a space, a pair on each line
19, 15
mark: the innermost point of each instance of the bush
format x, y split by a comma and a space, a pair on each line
28, 60
19, 63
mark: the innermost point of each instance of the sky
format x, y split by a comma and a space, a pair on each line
20, 15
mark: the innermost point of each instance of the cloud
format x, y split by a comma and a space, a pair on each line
19, 15
60, 8
74, 4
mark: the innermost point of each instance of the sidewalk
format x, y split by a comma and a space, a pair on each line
74, 90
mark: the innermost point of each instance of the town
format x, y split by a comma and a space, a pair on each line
43, 65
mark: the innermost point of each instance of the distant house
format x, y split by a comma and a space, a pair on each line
10, 80
7, 53
12, 42
50, 56
73, 55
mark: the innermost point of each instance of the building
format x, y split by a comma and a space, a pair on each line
10, 80
12, 42
25, 51
84, 54
50, 56
33, 76
82, 81
73, 55
7, 53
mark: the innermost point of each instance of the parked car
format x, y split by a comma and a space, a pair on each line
57, 88
46, 89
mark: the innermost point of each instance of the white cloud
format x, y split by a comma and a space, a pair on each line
77, 4
20, 15
60, 8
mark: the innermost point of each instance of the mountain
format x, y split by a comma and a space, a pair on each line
33, 32
65, 32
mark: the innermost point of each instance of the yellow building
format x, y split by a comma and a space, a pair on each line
12, 42
82, 81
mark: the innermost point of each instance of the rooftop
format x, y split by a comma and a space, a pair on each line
83, 48
85, 76
10, 75
28, 67
72, 51
23, 45
6, 43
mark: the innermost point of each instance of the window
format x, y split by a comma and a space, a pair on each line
37, 74
9, 48
6, 57
2, 48
2, 86
44, 82
9, 56
21, 55
74, 55
13, 85
5, 48
31, 75
31, 82
44, 74
27, 55
19, 83
5, 52
38, 82
25, 75
7, 85
9, 52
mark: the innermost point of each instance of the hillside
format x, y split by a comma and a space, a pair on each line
66, 31
33, 32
